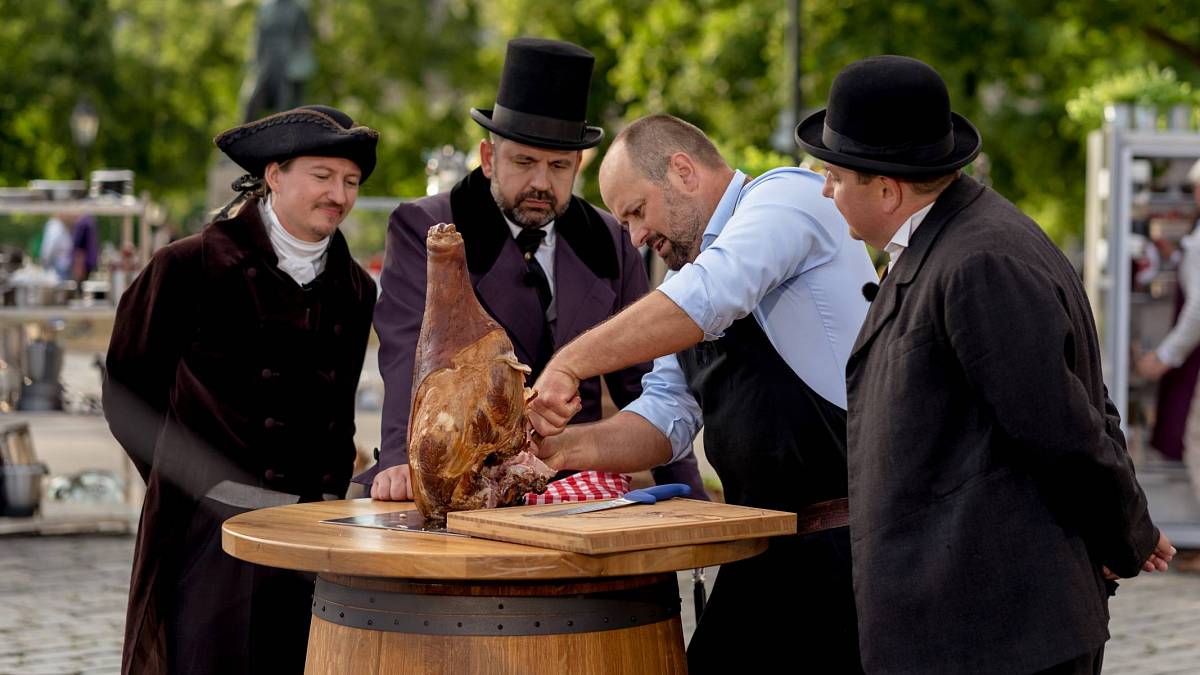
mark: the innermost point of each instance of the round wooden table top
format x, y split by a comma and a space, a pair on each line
293, 537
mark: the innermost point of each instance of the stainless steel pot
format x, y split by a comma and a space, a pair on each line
22, 489
43, 361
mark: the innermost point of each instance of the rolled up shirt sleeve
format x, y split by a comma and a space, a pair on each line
765, 243
668, 404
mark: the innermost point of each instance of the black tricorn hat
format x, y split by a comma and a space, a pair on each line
543, 95
314, 130
890, 115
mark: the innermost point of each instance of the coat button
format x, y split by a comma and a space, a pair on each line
269, 423
327, 478
266, 373
332, 426
269, 474
251, 273
337, 329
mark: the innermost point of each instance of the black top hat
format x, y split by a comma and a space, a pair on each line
890, 115
315, 130
543, 95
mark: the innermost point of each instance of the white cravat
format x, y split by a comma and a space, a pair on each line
545, 258
300, 260
899, 240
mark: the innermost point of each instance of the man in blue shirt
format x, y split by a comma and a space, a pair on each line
751, 334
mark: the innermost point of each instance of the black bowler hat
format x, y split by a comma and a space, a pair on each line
311, 130
890, 115
543, 95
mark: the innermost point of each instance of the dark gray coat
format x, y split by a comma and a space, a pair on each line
989, 479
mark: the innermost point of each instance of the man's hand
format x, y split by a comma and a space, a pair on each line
549, 450
556, 402
1163, 553
393, 484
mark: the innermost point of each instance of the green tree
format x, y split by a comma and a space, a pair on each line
165, 76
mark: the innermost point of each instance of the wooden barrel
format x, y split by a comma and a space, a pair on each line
621, 625
393, 602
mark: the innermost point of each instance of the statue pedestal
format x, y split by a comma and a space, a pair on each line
221, 174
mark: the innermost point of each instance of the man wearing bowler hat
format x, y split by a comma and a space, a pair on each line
545, 264
232, 370
992, 500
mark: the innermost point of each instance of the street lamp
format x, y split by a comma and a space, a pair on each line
783, 139
84, 125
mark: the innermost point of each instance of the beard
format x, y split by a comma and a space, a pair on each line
686, 227
528, 217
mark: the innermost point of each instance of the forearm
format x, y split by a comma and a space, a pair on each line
623, 443
1183, 337
651, 327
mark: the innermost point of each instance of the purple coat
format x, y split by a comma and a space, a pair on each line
597, 272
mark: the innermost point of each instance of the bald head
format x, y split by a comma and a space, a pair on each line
650, 142
662, 178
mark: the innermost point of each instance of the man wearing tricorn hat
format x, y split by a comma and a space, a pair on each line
992, 500
232, 369
545, 264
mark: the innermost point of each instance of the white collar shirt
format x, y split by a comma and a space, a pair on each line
900, 240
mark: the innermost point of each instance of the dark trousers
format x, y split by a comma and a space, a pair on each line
1088, 664
792, 605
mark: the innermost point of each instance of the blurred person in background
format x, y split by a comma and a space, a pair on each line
1175, 363
57, 248
232, 372
86, 256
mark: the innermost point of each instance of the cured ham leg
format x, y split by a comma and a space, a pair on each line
467, 442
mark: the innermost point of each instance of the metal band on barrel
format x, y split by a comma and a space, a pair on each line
475, 615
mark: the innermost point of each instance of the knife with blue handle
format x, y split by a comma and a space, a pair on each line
650, 495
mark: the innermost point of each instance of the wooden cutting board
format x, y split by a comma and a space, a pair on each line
674, 522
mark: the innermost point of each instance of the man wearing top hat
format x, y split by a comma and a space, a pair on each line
992, 500
232, 370
545, 264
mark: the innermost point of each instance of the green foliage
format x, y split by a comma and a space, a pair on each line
165, 77
1148, 85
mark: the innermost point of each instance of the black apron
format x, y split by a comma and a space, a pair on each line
776, 444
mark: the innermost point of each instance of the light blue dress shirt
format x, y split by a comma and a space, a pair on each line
777, 248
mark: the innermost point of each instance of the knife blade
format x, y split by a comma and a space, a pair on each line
650, 495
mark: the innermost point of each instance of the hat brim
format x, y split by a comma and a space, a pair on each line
591, 135
967, 144
297, 133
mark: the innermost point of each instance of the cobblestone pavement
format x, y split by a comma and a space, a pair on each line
63, 601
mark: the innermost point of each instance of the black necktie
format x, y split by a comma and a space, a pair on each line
528, 241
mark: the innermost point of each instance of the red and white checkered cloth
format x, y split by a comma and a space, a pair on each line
581, 487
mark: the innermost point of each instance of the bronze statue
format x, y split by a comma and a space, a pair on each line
283, 58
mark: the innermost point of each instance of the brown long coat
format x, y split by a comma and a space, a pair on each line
222, 368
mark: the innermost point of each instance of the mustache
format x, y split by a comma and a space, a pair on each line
539, 195
330, 205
